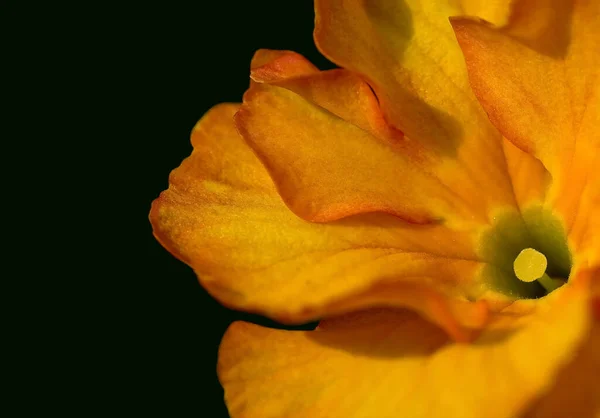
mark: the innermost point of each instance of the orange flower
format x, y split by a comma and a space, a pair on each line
434, 203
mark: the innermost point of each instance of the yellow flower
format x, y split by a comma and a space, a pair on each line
435, 203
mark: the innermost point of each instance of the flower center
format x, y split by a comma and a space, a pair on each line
526, 253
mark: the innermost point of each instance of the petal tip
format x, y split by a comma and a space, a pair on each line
269, 66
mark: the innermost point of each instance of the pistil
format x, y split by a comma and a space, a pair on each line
530, 265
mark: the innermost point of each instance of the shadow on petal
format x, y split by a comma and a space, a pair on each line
389, 333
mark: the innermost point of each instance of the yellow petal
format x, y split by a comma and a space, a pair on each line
496, 12
326, 168
407, 52
537, 78
584, 235
528, 176
386, 363
223, 216
575, 391
580, 375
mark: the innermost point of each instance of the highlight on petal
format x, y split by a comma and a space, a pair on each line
537, 79
222, 206
390, 363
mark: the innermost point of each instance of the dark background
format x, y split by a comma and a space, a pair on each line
104, 97
174, 62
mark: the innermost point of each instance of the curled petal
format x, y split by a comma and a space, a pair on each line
271, 65
388, 363
326, 168
340, 92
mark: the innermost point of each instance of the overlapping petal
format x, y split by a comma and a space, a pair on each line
331, 155
340, 92
392, 363
528, 175
223, 216
408, 53
538, 80
496, 12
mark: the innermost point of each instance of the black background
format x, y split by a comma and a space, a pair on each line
110, 324
173, 63
104, 97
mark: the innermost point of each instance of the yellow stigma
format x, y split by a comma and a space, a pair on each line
530, 265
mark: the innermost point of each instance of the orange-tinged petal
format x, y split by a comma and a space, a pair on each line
223, 216
409, 55
326, 168
271, 65
340, 92
385, 363
537, 78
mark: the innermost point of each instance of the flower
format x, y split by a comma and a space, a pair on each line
434, 203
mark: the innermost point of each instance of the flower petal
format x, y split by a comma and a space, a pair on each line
339, 91
272, 65
585, 232
496, 12
223, 216
326, 168
575, 391
407, 52
392, 363
528, 176
537, 79
580, 375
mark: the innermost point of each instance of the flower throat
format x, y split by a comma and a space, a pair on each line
527, 253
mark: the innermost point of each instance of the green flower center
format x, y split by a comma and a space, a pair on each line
527, 253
